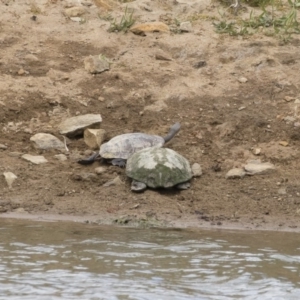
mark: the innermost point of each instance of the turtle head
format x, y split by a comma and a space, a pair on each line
173, 130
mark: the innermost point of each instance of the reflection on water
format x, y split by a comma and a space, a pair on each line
76, 261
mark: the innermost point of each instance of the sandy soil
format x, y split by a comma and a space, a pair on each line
43, 81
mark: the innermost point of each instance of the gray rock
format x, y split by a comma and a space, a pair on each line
255, 167
235, 173
76, 125
94, 137
186, 26
196, 170
35, 159
3, 147
46, 141
96, 64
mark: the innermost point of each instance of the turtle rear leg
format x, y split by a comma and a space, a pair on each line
120, 162
89, 160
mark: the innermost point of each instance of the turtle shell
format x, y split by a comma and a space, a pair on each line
124, 145
158, 167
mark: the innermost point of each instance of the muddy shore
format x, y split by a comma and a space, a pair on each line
236, 98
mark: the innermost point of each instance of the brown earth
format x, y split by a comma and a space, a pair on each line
43, 81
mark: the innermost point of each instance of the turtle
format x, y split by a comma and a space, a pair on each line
158, 168
121, 147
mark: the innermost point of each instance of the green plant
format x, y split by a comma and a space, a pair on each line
125, 23
282, 26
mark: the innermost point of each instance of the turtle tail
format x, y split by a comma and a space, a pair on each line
173, 130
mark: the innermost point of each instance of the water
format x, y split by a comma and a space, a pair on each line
76, 261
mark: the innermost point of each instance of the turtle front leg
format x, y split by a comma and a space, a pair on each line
89, 160
120, 162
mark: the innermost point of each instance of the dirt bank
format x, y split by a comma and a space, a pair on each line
236, 99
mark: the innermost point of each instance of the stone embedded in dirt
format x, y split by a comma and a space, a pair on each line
141, 29
186, 26
242, 79
159, 105
115, 181
57, 75
100, 170
85, 177
288, 98
196, 170
289, 119
35, 159
61, 157
75, 11
76, 19
46, 141
10, 178
235, 173
3, 147
15, 154
257, 151
199, 64
74, 126
284, 143
96, 64
160, 55
31, 57
255, 167
94, 137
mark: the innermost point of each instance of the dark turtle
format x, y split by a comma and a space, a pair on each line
158, 167
121, 147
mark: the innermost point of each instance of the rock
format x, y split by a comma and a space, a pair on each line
160, 55
242, 79
186, 26
288, 98
235, 173
289, 119
283, 143
199, 64
257, 151
74, 126
100, 170
75, 11
85, 177
61, 157
282, 191
76, 19
94, 137
15, 154
3, 147
141, 29
46, 141
21, 72
115, 181
96, 64
255, 167
10, 178
196, 170
31, 57
57, 75
35, 159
